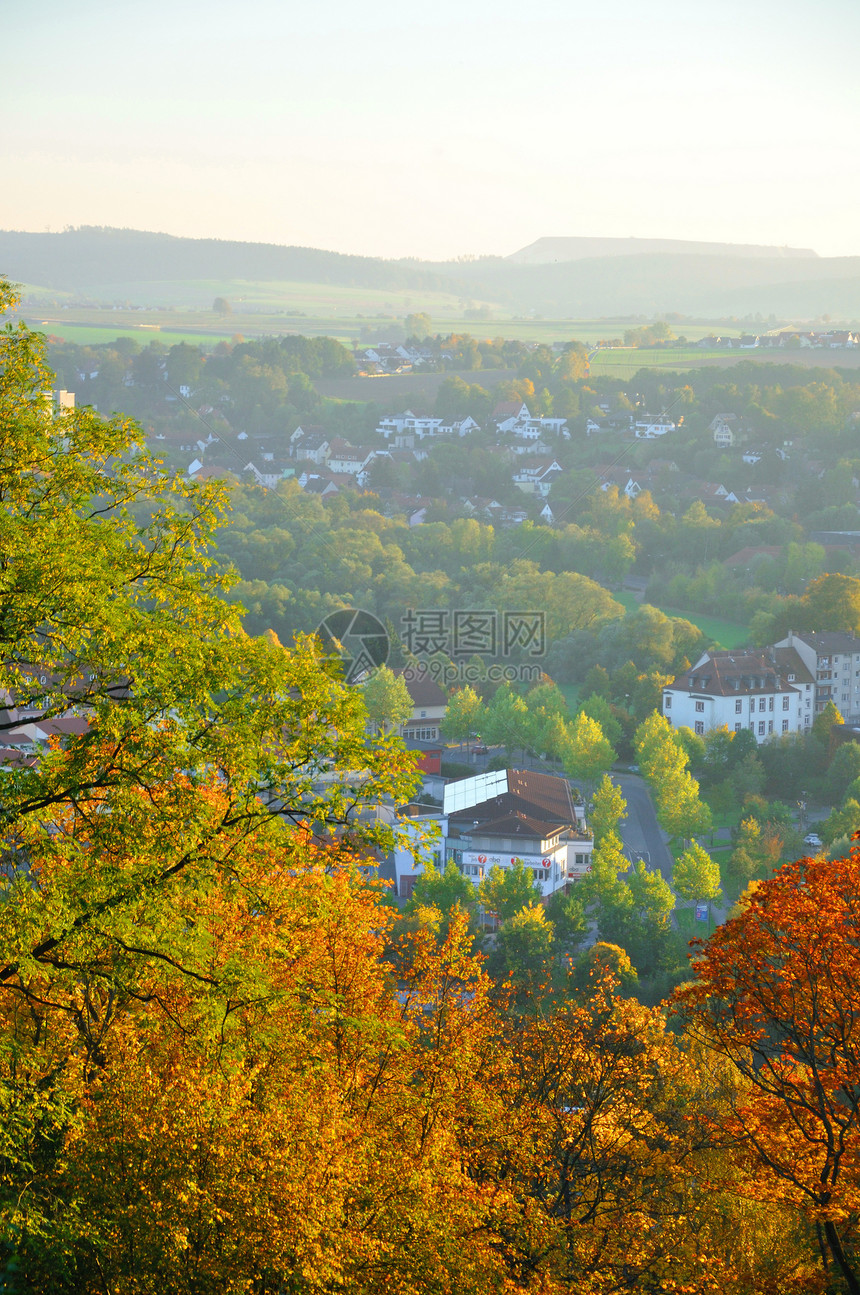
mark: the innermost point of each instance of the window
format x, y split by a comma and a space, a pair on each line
761, 728
785, 726
785, 703
738, 705
770, 703
700, 706
770, 726
700, 726
667, 701
752, 726
762, 703
738, 728
752, 704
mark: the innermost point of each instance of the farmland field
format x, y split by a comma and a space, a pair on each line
625, 362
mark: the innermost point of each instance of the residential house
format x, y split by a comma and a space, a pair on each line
498, 819
410, 424
648, 427
429, 705
770, 693
833, 660
536, 476
529, 428
349, 460
314, 446
723, 430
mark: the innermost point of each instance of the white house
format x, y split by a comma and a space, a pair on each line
769, 693
833, 661
349, 460
648, 428
522, 424
724, 435
409, 423
497, 819
536, 476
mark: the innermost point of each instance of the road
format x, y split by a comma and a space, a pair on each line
640, 832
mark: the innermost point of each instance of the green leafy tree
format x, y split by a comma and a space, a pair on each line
696, 875
589, 753
418, 325
824, 722
464, 715
507, 890
524, 953
387, 699
444, 890
832, 602
566, 911
608, 809
652, 894
599, 709
841, 822
507, 721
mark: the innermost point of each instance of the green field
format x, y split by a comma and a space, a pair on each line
727, 634
624, 362
88, 335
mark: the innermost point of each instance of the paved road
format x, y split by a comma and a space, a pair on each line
640, 831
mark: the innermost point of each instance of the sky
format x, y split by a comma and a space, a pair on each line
453, 128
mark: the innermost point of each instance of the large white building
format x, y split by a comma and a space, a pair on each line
833, 660
493, 820
770, 693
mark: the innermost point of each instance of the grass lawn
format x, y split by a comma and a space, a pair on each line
727, 634
571, 695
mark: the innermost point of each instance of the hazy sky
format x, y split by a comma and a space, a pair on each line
437, 129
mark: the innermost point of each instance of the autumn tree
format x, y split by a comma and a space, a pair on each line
775, 993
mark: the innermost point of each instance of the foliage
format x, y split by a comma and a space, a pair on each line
696, 875
506, 891
608, 809
775, 994
387, 699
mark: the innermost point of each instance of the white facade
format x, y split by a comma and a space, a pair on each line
407, 422
648, 429
528, 428
833, 659
557, 853
742, 690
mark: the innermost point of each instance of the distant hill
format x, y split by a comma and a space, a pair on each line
709, 287
701, 280
547, 251
77, 259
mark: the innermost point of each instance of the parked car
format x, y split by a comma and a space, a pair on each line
813, 840
479, 749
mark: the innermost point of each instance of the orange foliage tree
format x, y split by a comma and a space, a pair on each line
777, 993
